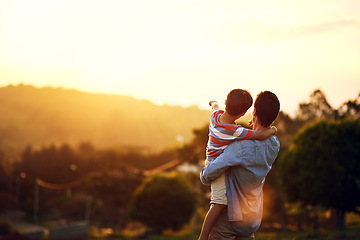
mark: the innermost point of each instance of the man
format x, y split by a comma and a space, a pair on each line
246, 164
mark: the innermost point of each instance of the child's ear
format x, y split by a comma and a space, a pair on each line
241, 114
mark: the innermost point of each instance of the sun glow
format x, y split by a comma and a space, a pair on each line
161, 49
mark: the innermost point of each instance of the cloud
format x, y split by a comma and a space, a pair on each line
264, 33
322, 27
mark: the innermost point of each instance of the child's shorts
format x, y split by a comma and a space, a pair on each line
218, 190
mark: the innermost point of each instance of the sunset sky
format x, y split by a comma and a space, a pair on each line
184, 52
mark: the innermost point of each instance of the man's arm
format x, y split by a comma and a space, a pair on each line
264, 134
232, 156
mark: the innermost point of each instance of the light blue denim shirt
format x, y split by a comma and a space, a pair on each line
246, 163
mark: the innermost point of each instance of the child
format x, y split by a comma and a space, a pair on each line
222, 131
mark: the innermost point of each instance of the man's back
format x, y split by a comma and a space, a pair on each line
245, 182
246, 164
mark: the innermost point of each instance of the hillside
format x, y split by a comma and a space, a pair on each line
43, 116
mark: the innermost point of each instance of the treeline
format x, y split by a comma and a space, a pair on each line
107, 177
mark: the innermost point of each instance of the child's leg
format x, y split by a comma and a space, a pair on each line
210, 220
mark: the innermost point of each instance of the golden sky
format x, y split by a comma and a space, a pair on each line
184, 52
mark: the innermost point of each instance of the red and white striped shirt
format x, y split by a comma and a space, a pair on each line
220, 135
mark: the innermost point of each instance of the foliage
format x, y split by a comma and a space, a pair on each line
111, 192
99, 174
4, 179
287, 128
52, 164
5, 227
163, 201
313, 111
194, 151
350, 109
318, 107
147, 161
322, 167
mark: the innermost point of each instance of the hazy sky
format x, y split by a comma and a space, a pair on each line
184, 52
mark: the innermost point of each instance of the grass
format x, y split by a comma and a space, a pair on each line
347, 234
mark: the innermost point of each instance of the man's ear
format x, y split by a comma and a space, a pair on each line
255, 117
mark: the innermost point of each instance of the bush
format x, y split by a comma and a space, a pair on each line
163, 201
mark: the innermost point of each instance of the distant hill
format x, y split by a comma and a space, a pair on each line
43, 116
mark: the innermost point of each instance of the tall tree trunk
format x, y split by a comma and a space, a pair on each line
337, 218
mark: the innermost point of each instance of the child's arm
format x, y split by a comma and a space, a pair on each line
214, 105
264, 134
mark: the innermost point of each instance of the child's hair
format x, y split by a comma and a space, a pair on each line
238, 101
267, 107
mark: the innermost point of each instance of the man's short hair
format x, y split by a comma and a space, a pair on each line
267, 107
238, 101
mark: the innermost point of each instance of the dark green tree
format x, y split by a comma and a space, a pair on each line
111, 192
322, 167
51, 164
4, 178
163, 201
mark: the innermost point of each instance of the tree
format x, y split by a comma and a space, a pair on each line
51, 164
111, 190
350, 109
317, 108
163, 201
4, 178
194, 152
322, 167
